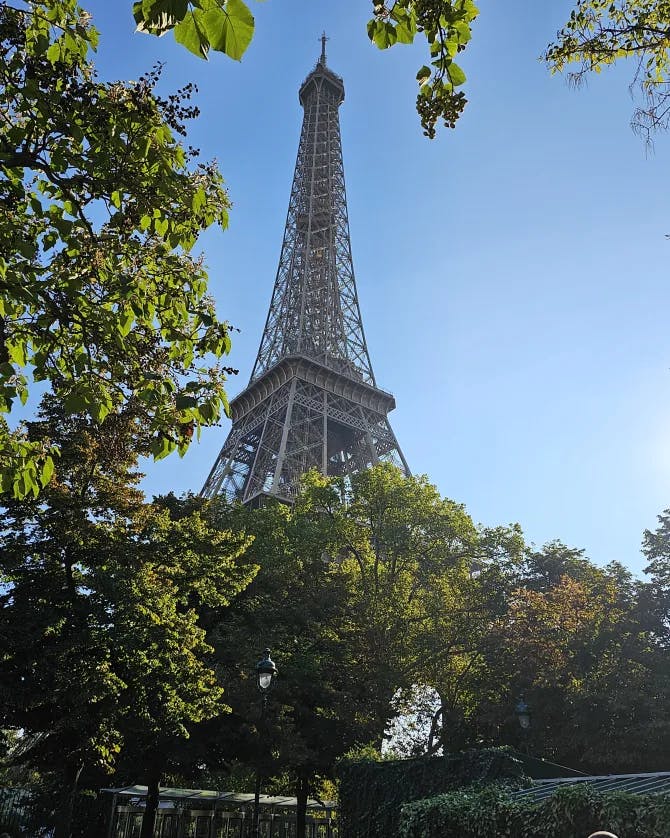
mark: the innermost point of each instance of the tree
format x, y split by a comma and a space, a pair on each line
102, 205
374, 591
366, 587
577, 642
602, 32
100, 607
320, 706
656, 548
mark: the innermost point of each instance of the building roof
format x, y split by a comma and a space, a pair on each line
231, 798
656, 783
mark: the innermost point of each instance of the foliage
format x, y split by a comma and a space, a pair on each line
580, 643
601, 32
372, 794
227, 26
101, 207
468, 619
447, 27
491, 812
656, 548
200, 25
29, 811
349, 568
321, 704
597, 34
100, 601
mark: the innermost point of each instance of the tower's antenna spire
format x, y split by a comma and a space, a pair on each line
322, 60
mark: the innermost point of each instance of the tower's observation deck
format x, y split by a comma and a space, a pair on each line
312, 400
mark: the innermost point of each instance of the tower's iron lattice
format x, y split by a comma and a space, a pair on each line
312, 400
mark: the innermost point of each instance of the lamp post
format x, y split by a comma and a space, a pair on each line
265, 675
524, 715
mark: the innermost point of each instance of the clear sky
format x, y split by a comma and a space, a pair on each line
512, 273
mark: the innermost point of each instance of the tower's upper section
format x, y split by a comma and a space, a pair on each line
322, 78
314, 310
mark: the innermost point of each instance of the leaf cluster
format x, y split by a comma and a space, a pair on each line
101, 207
602, 32
225, 26
447, 27
364, 588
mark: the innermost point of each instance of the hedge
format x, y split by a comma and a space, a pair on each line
371, 793
572, 812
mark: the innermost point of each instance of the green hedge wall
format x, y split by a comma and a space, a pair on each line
371, 793
573, 812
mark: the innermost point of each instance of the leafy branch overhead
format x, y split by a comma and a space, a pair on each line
227, 26
447, 29
601, 32
200, 25
102, 205
598, 33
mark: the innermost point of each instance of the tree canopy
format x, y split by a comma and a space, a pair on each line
131, 629
381, 598
101, 206
100, 609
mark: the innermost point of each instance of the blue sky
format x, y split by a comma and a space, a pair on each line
512, 273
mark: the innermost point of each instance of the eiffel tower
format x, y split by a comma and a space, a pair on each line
312, 400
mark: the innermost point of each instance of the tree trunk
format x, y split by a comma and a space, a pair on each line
63, 825
302, 792
149, 818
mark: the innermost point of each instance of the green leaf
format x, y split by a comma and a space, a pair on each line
125, 322
404, 33
53, 53
229, 30
74, 403
184, 402
17, 353
456, 75
161, 447
189, 32
6, 480
384, 34
423, 75
159, 16
464, 31
47, 471
100, 410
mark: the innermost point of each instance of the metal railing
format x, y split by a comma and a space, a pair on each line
203, 823
15, 810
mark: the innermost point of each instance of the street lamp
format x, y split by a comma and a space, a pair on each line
523, 714
265, 675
